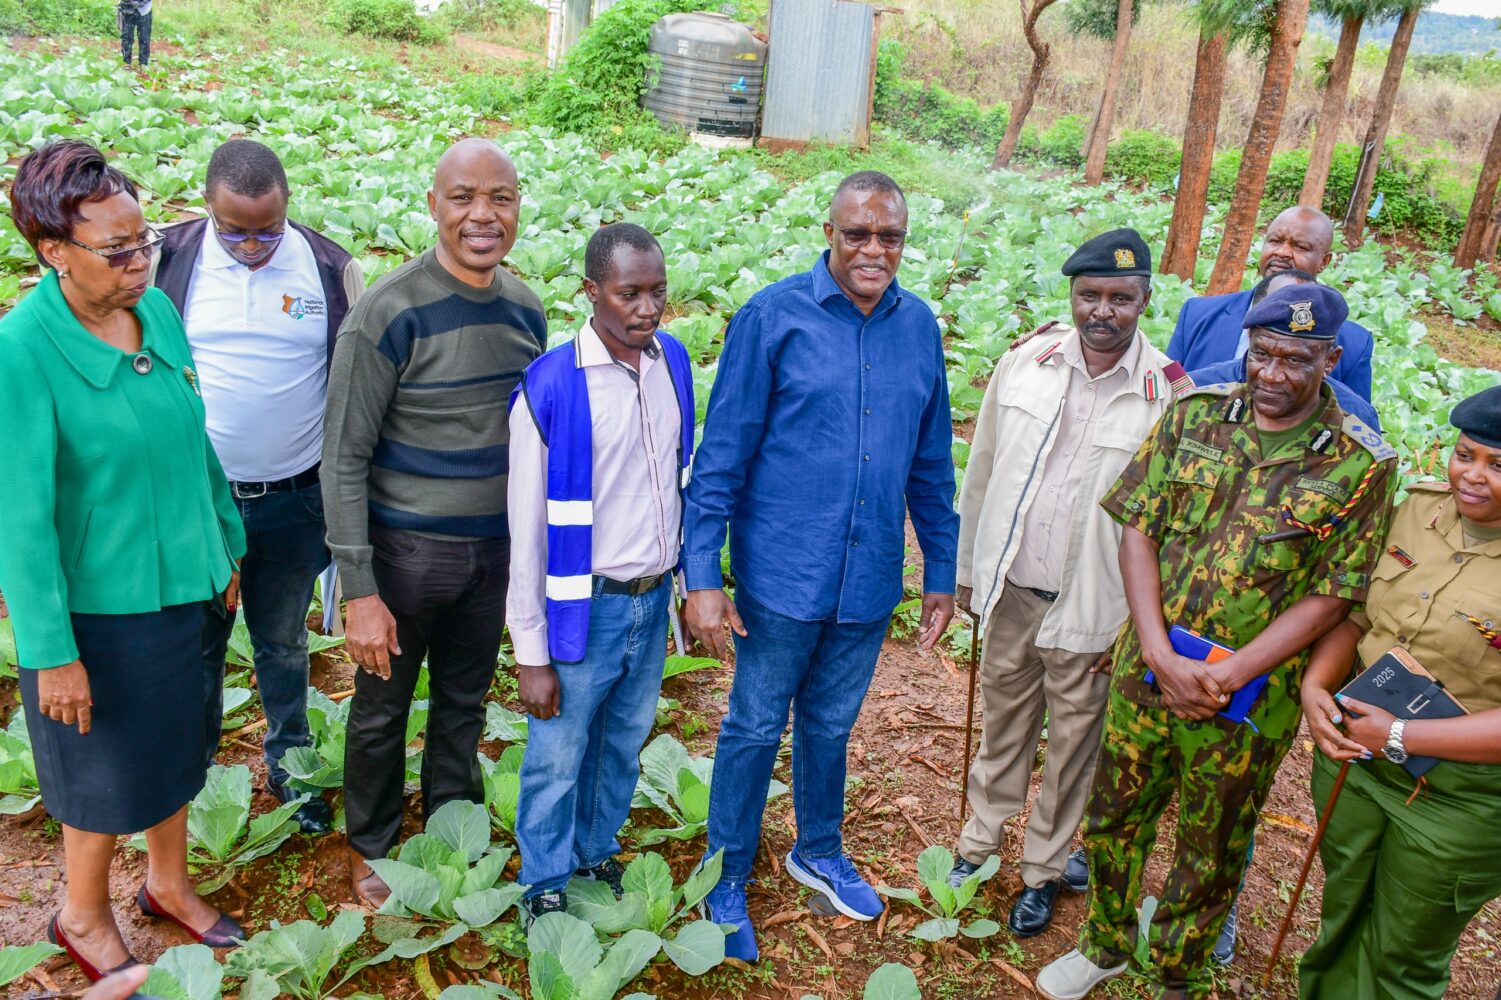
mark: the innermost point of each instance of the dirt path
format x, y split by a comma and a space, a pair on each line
904, 758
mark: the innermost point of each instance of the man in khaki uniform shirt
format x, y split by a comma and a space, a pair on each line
1038, 556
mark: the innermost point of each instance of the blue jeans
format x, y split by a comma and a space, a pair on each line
821, 671
284, 553
581, 765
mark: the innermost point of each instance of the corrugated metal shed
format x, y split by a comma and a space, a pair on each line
819, 73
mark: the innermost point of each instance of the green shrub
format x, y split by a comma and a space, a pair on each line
930, 112
1061, 142
57, 17
1142, 155
396, 20
1284, 178
488, 15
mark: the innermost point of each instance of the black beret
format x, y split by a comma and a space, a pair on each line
1118, 252
1479, 417
1312, 312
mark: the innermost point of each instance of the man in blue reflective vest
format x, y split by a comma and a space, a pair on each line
1209, 326
601, 437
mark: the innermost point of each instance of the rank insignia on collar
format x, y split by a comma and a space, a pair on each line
192, 377
1401, 557
1124, 259
1302, 318
1232, 413
1320, 443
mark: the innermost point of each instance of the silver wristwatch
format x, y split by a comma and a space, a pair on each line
1394, 751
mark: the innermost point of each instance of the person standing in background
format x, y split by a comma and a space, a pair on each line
134, 20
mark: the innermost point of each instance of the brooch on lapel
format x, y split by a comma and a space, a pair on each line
192, 377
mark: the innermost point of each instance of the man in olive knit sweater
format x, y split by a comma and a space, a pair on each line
414, 490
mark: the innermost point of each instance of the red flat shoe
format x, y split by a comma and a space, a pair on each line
226, 932
90, 971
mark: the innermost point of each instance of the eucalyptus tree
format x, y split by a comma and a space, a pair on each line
1103, 19
1289, 18
1353, 15
1478, 242
1374, 144
1022, 106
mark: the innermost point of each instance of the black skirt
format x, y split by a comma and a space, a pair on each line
144, 758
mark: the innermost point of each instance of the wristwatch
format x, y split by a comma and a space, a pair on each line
1394, 751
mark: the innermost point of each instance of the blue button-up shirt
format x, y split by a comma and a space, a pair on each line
825, 428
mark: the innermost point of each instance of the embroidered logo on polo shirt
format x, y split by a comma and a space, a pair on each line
298, 306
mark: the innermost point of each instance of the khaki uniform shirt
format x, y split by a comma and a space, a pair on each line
1043, 547
1428, 574
1201, 488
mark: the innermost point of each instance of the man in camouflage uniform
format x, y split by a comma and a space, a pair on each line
1253, 516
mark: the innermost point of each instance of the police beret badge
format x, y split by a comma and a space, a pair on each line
1124, 259
1302, 318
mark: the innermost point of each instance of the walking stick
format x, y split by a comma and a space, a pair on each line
1313, 848
969, 712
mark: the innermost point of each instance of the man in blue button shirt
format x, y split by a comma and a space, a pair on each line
828, 424
1209, 326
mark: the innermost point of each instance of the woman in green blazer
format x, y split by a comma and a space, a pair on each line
118, 530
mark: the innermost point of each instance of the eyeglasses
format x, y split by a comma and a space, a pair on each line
238, 238
123, 256
855, 239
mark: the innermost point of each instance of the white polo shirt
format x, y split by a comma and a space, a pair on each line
260, 342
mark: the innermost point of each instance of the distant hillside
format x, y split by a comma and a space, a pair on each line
1435, 33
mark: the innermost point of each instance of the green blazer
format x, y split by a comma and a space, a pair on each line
112, 501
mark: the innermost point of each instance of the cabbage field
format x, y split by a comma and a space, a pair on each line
359, 151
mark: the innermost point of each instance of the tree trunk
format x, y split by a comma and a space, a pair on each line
1099, 140
1023, 104
1336, 91
1491, 241
1381, 119
1182, 252
1482, 207
1266, 123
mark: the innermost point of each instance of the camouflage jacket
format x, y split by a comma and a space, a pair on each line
1202, 490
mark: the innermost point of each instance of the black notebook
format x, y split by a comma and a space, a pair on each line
1398, 683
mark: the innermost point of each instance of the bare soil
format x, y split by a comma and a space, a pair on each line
905, 756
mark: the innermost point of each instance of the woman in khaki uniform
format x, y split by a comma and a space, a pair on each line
1405, 872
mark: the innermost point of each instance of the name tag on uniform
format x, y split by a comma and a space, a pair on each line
1201, 449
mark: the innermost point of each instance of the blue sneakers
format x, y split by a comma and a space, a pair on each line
837, 879
725, 904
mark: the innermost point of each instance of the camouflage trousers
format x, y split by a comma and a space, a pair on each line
1221, 773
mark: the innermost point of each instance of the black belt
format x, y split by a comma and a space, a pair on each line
252, 491
630, 588
1043, 595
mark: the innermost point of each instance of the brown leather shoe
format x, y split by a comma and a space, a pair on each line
368, 888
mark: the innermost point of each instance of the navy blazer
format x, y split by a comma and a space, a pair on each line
1209, 328
1234, 370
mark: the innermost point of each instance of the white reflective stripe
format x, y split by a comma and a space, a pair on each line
570, 588
561, 512
685, 476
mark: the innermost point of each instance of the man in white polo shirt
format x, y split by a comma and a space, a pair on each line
262, 299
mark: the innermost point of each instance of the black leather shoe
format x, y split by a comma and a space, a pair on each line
315, 817
1076, 872
961, 871
1033, 911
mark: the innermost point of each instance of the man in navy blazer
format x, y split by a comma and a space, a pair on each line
1209, 326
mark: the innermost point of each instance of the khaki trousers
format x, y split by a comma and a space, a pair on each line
1019, 683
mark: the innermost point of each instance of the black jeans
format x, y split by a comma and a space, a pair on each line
449, 602
137, 26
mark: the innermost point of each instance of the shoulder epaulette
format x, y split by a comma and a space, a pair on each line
1435, 486
1211, 389
1369, 437
1178, 379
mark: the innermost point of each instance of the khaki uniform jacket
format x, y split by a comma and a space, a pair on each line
1014, 435
1428, 582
